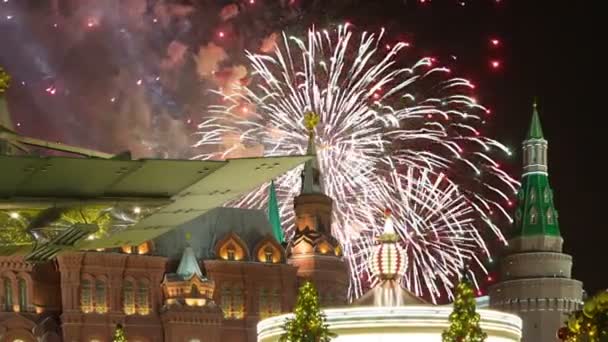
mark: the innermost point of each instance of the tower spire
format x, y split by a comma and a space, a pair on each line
311, 176
274, 215
535, 131
535, 214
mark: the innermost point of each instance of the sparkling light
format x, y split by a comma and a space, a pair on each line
412, 147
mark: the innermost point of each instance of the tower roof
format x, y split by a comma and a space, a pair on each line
188, 265
535, 213
535, 131
274, 216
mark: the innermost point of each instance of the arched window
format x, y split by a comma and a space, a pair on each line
100, 297
550, 218
231, 252
533, 215
233, 303
128, 298
22, 294
8, 294
532, 195
547, 195
86, 302
268, 253
264, 304
143, 298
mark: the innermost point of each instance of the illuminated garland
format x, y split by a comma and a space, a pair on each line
589, 324
308, 325
464, 321
4, 80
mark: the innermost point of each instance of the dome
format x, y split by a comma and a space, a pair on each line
388, 259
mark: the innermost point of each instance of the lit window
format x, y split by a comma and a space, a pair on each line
100, 297
233, 303
268, 252
270, 303
532, 196
230, 250
550, 219
86, 301
533, 215
8, 294
22, 295
144, 248
143, 298
547, 195
128, 298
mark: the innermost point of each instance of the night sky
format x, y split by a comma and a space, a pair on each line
78, 86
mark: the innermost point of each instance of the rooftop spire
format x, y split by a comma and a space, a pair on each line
311, 176
536, 213
274, 216
188, 265
535, 131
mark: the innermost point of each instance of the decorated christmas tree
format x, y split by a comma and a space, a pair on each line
119, 334
589, 324
464, 321
308, 325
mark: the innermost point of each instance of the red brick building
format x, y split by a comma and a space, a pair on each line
210, 280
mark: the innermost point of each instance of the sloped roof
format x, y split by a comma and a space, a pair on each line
206, 230
188, 265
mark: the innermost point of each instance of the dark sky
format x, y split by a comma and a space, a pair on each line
547, 49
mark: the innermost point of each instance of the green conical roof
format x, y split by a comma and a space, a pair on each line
188, 265
273, 214
536, 130
536, 213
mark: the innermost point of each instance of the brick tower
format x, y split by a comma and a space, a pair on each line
535, 280
313, 249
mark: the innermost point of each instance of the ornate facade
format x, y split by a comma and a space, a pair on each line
212, 279
535, 275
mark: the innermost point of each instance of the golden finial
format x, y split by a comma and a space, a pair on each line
188, 236
4, 80
311, 119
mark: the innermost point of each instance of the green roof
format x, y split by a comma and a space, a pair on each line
188, 265
536, 130
535, 213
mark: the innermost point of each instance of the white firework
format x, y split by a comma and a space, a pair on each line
406, 138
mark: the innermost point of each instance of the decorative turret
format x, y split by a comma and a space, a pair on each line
313, 207
388, 259
388, 265
535, 214
313, 249
187, 286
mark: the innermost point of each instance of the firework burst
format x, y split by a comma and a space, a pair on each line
389, 136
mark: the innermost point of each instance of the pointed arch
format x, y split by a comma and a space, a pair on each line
268, 250
550, 216
232, 248
533, 215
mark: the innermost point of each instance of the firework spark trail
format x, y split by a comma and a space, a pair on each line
403, 138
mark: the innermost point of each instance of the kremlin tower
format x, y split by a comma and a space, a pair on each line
535, 280
313, 250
